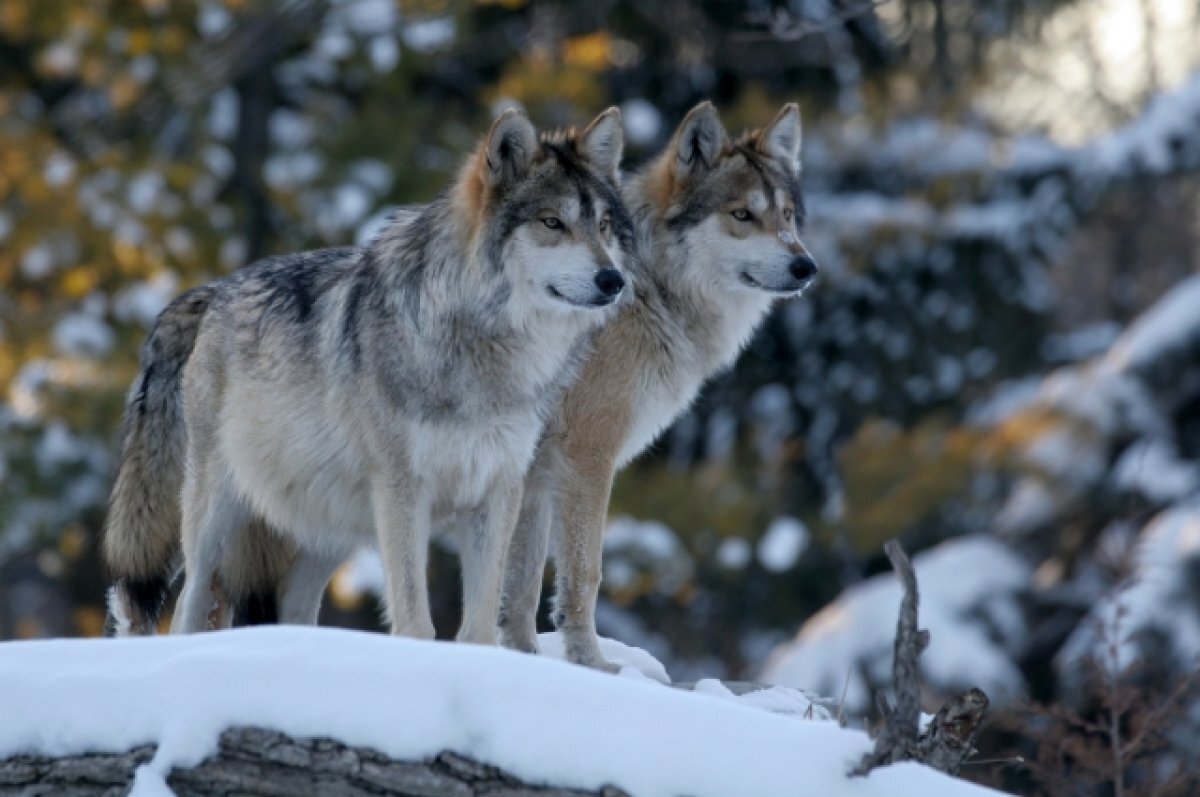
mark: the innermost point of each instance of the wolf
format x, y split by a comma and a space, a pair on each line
310, 404
718, 225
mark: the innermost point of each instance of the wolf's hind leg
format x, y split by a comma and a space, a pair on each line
526, 566
304, 586
212, 513
484, 550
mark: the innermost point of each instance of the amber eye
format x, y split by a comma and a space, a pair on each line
787, 214
741, 214
553, 222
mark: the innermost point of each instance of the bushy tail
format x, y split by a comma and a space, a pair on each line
142, 535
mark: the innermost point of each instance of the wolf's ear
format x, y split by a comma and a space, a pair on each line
699, 141
510, 147
781, 139
602, 142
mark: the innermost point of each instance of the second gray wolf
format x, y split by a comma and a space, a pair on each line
718, 223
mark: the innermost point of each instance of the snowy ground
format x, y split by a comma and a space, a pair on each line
541, 720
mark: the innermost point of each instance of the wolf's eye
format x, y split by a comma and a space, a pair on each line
741, 214
553, 222
605, 221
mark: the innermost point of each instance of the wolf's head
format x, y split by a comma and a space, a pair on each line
548, 211
736, 205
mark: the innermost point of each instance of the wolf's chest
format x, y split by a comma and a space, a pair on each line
659, 402
464, 460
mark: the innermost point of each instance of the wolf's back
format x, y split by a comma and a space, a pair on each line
141, 537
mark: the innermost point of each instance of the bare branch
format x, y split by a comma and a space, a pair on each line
947, 742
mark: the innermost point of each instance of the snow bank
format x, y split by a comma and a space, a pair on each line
541, 720
1172, 323
959, 581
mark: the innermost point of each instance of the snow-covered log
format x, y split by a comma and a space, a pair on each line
286, 710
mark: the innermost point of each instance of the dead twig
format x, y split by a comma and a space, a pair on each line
947, 741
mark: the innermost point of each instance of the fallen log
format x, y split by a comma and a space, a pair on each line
256, 762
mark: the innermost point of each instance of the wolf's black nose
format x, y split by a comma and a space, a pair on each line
609, 281
803, 268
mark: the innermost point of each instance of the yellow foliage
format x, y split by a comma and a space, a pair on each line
89, 620
593, 51
139, 41
896, 478
124, 92
73, 541
172, 40
536, 79
127, 256
94, 71
79, 282
14, 19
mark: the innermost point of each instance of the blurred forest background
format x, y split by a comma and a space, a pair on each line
1000, 365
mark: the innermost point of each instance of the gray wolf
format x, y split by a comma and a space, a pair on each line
309, 404
718, 237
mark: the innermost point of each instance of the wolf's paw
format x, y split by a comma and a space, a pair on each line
514, 640
593, 659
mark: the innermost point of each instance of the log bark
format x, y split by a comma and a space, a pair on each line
256, 762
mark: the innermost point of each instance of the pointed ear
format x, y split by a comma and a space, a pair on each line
602, 142
781, 138
510, 148
699, 141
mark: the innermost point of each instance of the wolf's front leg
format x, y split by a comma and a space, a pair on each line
577, 553
527, 556
484, 551
402, 522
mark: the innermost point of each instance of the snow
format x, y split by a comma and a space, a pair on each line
1157, 597
1153, 468
143, 300
83, 335
1005, 401
1173, 321
643, 122
361, 575
633, 661
786, 539
366, 17
1148, 141
733, 553
541, 720
428, 34
784, 700
860, 626
632, 545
